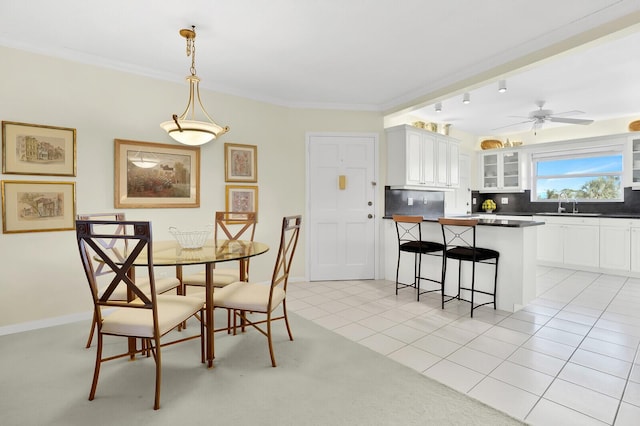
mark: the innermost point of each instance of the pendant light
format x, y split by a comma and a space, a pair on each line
184, 128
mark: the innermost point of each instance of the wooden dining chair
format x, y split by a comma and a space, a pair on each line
259, 299
163, 284
228, 226
144, 315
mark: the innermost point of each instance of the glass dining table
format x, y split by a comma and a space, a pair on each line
170, 253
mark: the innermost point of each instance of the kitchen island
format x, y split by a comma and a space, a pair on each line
516, 240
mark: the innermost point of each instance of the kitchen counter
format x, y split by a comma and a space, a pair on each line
515, 240
509, 223
579, 214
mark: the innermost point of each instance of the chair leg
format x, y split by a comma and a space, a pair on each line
418, 260
202, 336
286, 318
273, 357
158, 359
94, 324
495, 285
96, 369
398, 271
473, 284
443, 276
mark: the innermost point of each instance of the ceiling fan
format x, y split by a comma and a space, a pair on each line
540, 116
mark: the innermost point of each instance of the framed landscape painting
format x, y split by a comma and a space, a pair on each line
33, 149
240, 163
241, 198
152, 175
32, 206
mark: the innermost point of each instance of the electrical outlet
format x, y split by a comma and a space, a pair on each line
504, 200
410, 201
424, 200
473, 200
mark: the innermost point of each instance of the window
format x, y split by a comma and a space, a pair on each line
589, 175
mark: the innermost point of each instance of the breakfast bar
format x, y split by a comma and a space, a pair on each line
516, 240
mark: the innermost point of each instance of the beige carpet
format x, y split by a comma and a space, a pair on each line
322, 378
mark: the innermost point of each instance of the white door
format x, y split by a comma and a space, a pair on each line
341, 205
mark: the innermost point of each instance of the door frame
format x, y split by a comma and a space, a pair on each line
376, 195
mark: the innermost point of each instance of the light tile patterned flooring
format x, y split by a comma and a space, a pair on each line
570, 357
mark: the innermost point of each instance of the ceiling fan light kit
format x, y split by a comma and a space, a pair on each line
184, 128
540, 116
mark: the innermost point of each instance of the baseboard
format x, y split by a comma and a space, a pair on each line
44, 323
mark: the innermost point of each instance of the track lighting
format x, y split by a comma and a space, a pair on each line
502, 86
466, 98
438, 107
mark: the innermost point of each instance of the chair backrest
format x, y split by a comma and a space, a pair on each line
109, 245
235, 225
458, 232
408, 228
288, 242
95, 239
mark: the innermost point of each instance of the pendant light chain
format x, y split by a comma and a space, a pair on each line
191, 50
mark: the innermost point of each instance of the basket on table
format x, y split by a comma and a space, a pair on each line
191, 239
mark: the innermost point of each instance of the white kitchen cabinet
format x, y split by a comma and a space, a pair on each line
635, 247
615, 244
571, 241
420, 158
635, 161
501, 171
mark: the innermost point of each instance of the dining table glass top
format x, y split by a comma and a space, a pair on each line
167, 253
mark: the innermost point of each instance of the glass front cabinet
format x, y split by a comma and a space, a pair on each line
635, 162
501, 171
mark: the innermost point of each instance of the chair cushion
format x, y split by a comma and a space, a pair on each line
221, 278
172, 310
466, 253
247, 297
421, 246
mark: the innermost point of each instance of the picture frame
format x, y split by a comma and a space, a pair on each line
240, 163
38, 206
35, 149
240, 199
155, 175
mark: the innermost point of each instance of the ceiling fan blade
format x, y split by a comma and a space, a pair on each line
510, 125
574, 112
567, 120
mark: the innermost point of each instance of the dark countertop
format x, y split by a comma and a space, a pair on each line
506, 223
579, 214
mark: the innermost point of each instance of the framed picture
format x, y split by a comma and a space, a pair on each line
33, 149
241, 198
240, 163
32, 206
151, 175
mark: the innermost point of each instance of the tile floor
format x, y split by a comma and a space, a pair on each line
570, 357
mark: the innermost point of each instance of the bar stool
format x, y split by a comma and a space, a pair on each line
459, 236
410, 241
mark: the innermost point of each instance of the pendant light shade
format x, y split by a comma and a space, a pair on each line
184, 128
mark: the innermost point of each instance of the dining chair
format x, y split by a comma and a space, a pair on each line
163, 284
229, 226
144, 315
409, 232
260, 299
459, 236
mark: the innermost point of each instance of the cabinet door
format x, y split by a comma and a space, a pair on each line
414, 158
490, 171
635, 249
429, 154
615, 243
442, 168
510, 170
550, 243
582, 245
453, 161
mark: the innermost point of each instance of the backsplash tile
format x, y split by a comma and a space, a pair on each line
425, 203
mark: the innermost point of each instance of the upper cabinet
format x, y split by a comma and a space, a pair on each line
420, 158
501, 171
635, 161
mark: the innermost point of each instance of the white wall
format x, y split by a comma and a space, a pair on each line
41, 276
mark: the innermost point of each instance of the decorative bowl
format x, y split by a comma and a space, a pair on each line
491, 144
191, 239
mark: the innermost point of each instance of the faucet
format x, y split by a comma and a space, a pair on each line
575, 205
560, 208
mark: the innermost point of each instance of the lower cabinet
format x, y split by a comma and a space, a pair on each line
615, 244
571, 241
